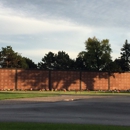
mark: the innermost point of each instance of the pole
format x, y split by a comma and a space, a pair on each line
80, 81
16, 78
109, 87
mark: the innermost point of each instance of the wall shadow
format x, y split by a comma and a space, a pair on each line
32, 80
94, 80
61, 80
20, 79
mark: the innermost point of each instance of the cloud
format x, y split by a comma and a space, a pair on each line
13, 23
31, 17
40, 53
62, 24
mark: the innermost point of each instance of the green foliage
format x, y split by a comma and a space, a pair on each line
11, 59
122, 63
30, 63
82, 62
48, 61
97, 55
63, 61
125, 57
60, 61
113, 66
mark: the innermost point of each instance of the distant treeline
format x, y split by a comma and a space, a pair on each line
97, 57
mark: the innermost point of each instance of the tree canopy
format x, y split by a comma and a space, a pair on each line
98, 53
96, 57
52, 61
125, 56
11, 59
124, 61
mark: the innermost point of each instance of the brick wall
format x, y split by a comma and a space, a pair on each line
94, 80
7, 79
120, 81
32, 79
69, 80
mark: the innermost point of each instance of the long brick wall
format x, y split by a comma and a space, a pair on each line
21, 79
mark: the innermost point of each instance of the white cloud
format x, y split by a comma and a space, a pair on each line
13, 23
66, 25
40, 53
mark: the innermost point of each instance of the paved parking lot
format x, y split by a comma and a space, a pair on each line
110, 110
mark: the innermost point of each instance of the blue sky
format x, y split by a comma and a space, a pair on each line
35, 27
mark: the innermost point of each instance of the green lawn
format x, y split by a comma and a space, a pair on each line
48, 126
22, 94
29, 94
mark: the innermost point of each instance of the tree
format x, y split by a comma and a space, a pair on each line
30, 63
98, 53
63, 61
81, 61
11, 59
48, 61
125, 57
59, 61
113, 66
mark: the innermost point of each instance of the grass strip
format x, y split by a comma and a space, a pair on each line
49, 126
31, 94
20, 94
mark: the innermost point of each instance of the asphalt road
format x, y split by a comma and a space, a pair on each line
108, 110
